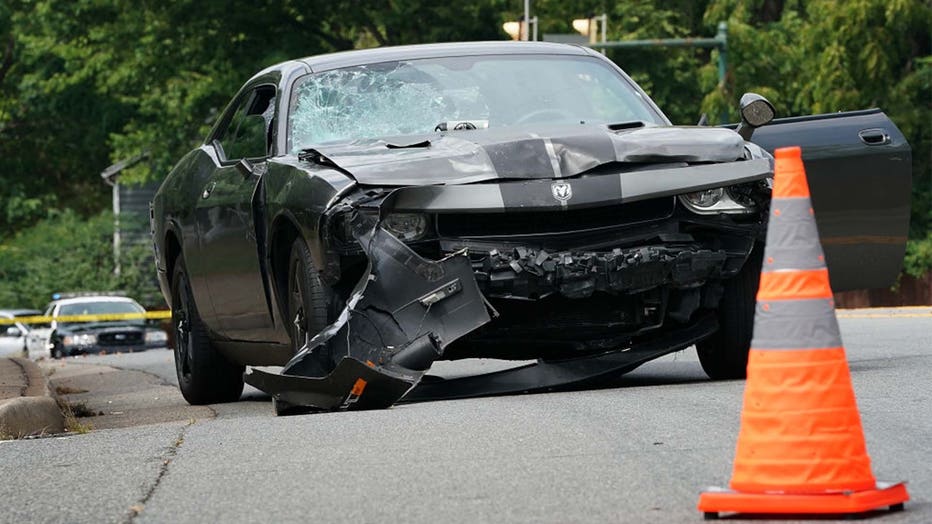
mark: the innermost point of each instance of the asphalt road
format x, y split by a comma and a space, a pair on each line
639, 452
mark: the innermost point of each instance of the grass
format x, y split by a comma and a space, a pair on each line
72, 412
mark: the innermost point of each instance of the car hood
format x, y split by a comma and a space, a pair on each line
522, 152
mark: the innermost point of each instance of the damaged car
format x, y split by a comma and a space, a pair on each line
357, 216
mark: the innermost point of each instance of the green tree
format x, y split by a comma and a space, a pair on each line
66, 252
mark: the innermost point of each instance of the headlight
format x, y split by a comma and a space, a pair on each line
406, 226
718, 200
79, 340
156, 336
704, 199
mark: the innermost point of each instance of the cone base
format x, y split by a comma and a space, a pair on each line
719, 500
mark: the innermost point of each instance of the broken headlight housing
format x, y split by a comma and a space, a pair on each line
728, 200
406, 226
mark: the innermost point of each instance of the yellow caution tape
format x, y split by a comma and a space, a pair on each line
39, 319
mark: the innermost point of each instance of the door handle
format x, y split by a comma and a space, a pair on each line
874, 137
208, 190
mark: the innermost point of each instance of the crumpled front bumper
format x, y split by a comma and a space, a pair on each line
535, 273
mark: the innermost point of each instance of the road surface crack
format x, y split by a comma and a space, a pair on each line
167, 459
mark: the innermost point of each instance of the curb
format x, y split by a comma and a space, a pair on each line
29, 407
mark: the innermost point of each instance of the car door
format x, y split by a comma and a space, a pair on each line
860, 176
228, 215
37, 340
12, 338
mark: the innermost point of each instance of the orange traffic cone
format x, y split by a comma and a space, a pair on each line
801, 446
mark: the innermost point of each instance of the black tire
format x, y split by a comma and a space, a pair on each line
724, 355
56, 351
310, 301
204, 375
311, 308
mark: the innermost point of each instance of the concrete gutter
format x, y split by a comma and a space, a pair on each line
27, 406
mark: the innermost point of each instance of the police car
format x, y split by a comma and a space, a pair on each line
93, 323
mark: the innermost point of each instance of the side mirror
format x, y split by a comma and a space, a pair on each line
755, 112
245, 167
13, 332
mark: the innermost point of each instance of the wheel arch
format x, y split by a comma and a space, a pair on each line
284, 231
172, 251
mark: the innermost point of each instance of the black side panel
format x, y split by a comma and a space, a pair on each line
859, 170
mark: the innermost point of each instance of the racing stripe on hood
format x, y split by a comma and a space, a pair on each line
554, 151
525, 158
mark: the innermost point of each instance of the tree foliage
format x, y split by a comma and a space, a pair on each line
86, 83
66, 252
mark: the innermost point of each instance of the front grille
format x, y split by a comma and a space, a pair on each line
121, 338
556, 221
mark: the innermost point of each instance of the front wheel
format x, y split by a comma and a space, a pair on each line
204, 375
724, 355
56, 351
311, 304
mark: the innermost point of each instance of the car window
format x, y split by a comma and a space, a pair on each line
5, 327
48, 313
415, 96
248, 133
101, 308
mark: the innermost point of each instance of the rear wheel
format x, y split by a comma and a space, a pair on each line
204, 375
724, 355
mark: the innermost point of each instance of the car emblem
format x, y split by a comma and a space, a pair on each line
562, 191
120, 336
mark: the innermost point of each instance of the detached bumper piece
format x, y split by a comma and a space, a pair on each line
548, 376
536, 273
402, 314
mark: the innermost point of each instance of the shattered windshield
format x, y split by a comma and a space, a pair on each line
475, 92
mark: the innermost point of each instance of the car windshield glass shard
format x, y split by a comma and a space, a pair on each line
411, 97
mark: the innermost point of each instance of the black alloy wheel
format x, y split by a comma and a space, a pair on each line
311, 304
311, 308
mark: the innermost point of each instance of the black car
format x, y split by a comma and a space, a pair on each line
356, 216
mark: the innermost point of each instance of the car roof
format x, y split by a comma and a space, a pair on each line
376, 55
84, 300
411, 52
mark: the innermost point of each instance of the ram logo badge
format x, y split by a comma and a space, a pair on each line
562, 191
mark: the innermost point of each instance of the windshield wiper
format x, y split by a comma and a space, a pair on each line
422, 143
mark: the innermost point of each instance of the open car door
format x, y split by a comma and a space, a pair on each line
860, 175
